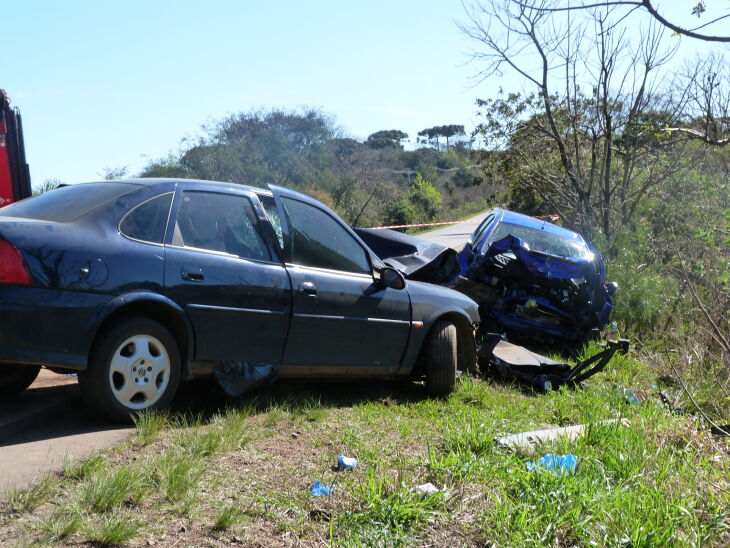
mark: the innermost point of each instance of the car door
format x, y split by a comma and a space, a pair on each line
342, 319
222, 271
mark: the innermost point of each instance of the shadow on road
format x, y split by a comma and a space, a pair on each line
53, 412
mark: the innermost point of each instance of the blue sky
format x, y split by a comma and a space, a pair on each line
111, 84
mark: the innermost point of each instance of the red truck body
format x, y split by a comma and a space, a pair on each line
14, 172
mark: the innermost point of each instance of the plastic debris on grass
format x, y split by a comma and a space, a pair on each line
427, 489
561, 464
528, 441
346, 463
321, 490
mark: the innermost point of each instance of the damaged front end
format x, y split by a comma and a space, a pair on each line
530, 294
417, 259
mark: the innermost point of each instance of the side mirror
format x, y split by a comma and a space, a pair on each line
390, 277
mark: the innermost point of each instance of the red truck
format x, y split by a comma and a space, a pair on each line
14, 172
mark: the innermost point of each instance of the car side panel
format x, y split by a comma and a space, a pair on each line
47, 326
347, 322
77, 269
239, 309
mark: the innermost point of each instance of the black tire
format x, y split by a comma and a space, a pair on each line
441, 359
103, 388
16, 378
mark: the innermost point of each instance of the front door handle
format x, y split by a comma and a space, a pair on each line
307, 288
192, 274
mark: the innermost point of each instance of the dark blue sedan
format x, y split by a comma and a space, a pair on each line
137, 285
535, 280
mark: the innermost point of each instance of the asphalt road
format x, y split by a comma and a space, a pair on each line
43, 426
48, 423
454, 235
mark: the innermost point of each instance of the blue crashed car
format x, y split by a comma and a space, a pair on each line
534, 279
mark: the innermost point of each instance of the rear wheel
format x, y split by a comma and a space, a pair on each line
441, 359
134, 366
16, 378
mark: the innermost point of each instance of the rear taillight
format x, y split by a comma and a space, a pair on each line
12, 266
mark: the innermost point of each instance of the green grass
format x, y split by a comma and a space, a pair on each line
78, 470
30, 498
114, 529
227, 518
660, 481
60, 525
149, 425
177, 475
106, 490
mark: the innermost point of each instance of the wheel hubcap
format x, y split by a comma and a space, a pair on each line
139, 372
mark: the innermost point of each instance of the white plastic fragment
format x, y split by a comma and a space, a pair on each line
530, 440
426, 489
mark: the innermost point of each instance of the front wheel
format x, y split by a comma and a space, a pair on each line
134, 366
16, 378
441, 359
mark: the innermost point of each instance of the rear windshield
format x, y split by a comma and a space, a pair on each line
67, 203
544, 242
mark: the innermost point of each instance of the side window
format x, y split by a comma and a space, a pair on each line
482, 227
219, 222
320, 241
273, 214
148, 220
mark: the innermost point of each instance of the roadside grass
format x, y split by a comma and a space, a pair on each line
227, 518
79, 470
30, 498
243, 469
149, 425
113, 530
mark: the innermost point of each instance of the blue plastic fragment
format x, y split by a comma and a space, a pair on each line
630, 396
557, 463
321, 490
346, 463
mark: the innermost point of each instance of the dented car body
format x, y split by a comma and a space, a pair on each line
531, 278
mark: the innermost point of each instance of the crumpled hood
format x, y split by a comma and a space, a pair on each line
417, 259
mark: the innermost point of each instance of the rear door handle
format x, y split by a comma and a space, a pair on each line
307, 288
192, 274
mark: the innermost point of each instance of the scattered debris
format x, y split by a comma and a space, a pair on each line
320, 515
529, 440
346, 463
237, 378
426, 489
321, 490
672, 405
518, 363
630, 396
555, 463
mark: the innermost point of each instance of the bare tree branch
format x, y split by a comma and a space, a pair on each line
647, 5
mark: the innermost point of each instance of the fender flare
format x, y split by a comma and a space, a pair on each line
418, 336
123, 301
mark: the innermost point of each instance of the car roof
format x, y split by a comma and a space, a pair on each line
539, 224
163, 181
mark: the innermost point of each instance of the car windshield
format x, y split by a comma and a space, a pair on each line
67, 203
542, 241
